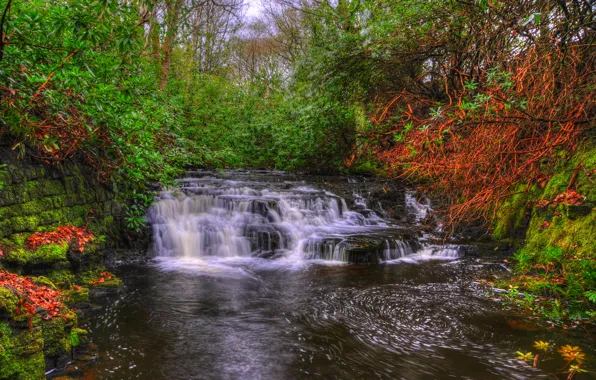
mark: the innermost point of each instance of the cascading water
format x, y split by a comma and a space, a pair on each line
223, 217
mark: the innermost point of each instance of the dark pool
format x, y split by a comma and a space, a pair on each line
256, 319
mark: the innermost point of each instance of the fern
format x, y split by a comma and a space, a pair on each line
591, 294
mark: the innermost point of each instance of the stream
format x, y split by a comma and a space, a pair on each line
265, 275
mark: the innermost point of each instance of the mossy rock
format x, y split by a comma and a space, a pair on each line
56, 339
21, 354
52, 217
5, 228
78, 337
8, 303
63, 278
25, 223
91, 256
108, 284
59, 201
36, 207
577, 235
20, 239
99, 287
66, 278
5, 177
44, 281
8, 197
513, 216
574, 212
28, 341
52, 187
49, 254
76, 297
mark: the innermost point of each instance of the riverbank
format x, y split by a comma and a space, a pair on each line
54, 223
552, 225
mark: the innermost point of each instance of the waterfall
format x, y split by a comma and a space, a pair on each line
210, 216
418, 208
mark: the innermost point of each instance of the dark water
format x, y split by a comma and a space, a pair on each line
255, 320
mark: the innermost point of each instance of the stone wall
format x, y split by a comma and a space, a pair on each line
37, 197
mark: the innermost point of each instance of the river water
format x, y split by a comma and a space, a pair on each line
267, 276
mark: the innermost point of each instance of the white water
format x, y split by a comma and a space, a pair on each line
420, 209
212, 219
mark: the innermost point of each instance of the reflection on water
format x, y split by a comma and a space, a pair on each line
256, 319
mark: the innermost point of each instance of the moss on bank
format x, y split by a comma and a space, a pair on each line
28, 342
32, 343
49, 255
21, 354
556, 241
33, 198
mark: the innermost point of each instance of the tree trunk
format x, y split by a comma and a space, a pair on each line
173, 15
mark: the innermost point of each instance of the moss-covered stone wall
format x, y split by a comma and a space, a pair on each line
38, 197
552, 226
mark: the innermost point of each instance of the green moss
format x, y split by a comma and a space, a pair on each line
27, 341
76, 296
21, 355
59, 201
24, 343
44, 281
8, 302
513, 215
35, 207
52, 217
108, 284
10, 211
56, 335
573, 235
559, 253
51, 187
556, 185
78, 336
63, 278
7, 196
85, 277
20, 239
92, 249
78, 222
5, 228
49, 254
5, 177
18, 256
25, 223
103, 226
109, 281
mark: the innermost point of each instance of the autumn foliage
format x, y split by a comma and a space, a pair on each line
76, 236
499, 127
31, 296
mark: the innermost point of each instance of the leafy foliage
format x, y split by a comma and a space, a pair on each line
572, 357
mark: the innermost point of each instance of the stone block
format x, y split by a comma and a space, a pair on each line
36, 207
25, 223
53, 187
